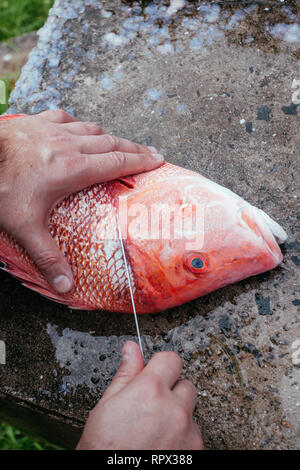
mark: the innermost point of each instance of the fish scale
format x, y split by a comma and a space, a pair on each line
97, 273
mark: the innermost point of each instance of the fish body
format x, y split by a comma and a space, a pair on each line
184, 236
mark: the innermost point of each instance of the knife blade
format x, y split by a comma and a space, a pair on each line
130, 290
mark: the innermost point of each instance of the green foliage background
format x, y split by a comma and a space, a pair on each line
12, 439
18, 17
21, 16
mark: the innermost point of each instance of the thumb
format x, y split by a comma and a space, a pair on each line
49, 259
132, 364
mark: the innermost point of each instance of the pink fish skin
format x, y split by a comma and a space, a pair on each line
184, 236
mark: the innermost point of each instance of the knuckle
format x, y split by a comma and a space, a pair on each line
116, 141
122, 374
154, 387
4, 150
111, 141
172, 358
142, 150
91, 128
72, 164
190, 386
119, 159
61, 139
60, 114
182, 417
68, 166
46, 260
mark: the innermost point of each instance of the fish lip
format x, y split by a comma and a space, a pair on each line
278, 232
269, 231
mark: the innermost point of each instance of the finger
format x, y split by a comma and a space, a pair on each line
83, 128
167, 365
109, 143
196, 440
132, 364
58, 115
187, 393
51, 262
85, 170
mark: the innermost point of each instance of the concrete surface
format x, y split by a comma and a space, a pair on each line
211, 87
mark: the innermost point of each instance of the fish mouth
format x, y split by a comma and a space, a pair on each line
269, 231
278, 232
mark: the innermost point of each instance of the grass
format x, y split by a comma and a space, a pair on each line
20, 17
12, 439
9, 83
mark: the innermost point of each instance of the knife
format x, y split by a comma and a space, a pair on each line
130, 290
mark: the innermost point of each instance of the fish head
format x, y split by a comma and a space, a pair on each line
188, 236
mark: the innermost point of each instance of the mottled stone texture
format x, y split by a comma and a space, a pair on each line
210, 87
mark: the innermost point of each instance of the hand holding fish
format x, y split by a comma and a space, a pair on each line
46, 157
144, 407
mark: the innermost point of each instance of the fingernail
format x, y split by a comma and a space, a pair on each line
153, 149
62, 284
128, 351
158, 157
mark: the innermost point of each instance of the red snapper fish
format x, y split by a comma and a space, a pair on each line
183, 237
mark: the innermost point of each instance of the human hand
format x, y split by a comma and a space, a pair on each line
46, 157
144, 407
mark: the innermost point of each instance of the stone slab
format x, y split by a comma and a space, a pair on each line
211, 86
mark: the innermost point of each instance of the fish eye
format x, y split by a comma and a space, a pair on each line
196, 263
